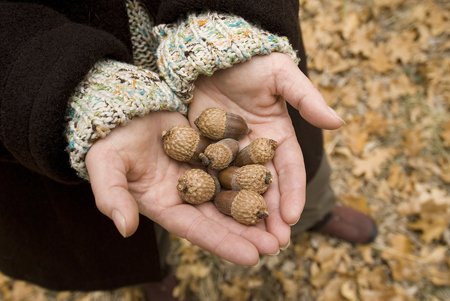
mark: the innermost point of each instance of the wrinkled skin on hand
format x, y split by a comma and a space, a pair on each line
258, 90
131, 174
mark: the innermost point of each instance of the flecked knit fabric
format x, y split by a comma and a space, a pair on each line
144, 42
111, 94
207, 42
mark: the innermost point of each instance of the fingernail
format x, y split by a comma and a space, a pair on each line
275, 254
293, 224
286, 246
335, 115
120, 222
256, 264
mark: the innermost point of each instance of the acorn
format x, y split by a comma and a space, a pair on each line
196, 186
219, 155
254, 177
184, 143
217, 124
259, 151
245, 206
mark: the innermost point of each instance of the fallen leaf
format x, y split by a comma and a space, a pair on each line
358, 202
372, 163
348, 291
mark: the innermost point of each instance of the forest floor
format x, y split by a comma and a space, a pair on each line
384, 66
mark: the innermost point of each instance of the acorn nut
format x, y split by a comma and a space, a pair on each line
259, 151
254, 177
245, 206
218, 124
219, 155
196, 186
184, 143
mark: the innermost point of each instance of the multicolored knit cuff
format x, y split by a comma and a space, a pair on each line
204, 43
112, 94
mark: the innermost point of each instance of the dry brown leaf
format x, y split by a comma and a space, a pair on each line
397, 177
196, 270
401, 243
349, 94
403, 47
366, 253
438, 275
233, 292
355, 138
361, 42
372, 278
401, 85
445, 134
358, 202
375, 123
349, 290
434, 255
372, 163
413, 142
379, 59
331, 292
289, 285
350, 23
389, 293
431, 226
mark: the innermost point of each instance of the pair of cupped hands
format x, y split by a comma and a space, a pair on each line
131, 174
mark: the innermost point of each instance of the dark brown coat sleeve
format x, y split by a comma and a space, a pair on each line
43, 56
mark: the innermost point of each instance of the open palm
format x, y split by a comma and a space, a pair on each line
256, 90
131, 174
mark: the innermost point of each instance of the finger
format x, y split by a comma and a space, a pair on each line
188, 222
265, 242
110, 188
298, 90
289, 165
274, 223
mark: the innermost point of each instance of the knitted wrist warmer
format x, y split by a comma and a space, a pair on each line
207, 42
143, 41
111, 94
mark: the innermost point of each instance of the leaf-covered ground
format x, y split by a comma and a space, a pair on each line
384, 65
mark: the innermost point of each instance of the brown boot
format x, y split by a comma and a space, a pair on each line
160, 291
347, 224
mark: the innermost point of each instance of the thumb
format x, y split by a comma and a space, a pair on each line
298, 90
110, 187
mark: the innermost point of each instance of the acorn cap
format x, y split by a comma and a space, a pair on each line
196, 186
219, 155
259, 151
254, 177
217, 124
183, 143
245, 206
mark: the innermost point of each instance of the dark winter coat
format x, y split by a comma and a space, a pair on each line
50, 230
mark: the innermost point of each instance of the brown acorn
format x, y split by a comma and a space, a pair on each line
197, 186
219, 155
245, 206
184, 143
259, 151
217, 124
254, 177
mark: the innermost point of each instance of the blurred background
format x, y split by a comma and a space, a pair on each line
384, 66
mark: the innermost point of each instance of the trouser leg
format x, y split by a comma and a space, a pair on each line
320, 198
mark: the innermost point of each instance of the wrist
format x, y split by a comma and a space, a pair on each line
111, 95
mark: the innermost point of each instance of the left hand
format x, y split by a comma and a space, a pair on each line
256, 90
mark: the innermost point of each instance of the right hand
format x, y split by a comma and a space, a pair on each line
258, 91
131, 174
